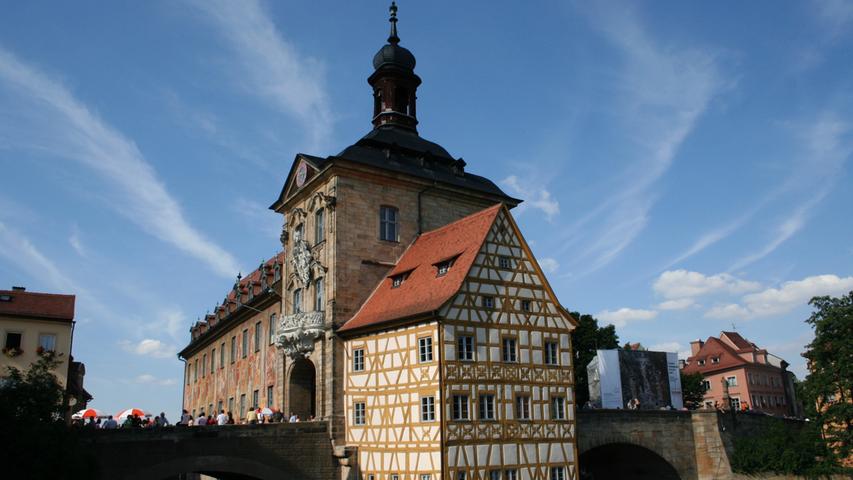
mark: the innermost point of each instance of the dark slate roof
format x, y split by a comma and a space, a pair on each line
401, 150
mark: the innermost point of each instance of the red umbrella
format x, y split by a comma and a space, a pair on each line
121, 416
88, 413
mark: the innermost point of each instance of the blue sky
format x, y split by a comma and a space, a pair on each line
685, 167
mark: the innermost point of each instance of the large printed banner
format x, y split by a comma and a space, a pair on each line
611, 379
674, 380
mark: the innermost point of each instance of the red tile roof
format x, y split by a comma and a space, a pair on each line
740, 343
714, 347
51, 306
423, 291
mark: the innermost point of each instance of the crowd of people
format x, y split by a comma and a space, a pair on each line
253, 417
130, 421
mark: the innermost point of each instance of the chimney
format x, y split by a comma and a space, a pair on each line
19, 289
695, 346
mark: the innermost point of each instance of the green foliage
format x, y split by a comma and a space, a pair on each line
36, 441
692, 390
784, 449
586, 339
829, 384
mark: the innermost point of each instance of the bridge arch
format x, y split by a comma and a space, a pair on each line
634, 462
226, 468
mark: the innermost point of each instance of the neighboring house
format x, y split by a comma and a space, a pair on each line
412, 316
231, 361
754, 378
35, 323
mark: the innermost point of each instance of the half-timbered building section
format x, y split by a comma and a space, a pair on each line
392, 397
231, 362
471, 297
507, 368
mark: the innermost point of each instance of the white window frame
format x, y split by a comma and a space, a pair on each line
358, 360
731, 381
465, 348
272, 327
510, 474
389, 226
509, 355
319, 295
52, 346
319, 226
552, 352
461, 407
428, 409
487, 301
522, 407
504, 262
557, 473
486, 407
558, 407
425, 349
359, 413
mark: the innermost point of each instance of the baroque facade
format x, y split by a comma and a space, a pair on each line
411, 314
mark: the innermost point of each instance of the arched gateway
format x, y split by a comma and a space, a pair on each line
302, 389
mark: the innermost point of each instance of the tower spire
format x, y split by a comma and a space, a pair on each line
393, 39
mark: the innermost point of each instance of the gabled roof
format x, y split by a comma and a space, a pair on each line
740, 343
48, 306
423, 291
714, 348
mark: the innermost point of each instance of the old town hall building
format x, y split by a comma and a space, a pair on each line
406, 310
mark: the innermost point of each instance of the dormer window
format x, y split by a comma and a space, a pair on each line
444, 267
715, 360
398, 279
701, 362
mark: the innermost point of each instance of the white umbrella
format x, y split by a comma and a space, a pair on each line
266, 412
88, 413
121, 416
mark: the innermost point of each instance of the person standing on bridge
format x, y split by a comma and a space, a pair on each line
222, 419
252, 417
201, 420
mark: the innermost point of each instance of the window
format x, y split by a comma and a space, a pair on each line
552, 351
460, 407
397, 280
212, 360
318, 295
427, 409
701, 362
230, 404
195, 371
219, 406
319, 227
272, 328
222, 355
443, 267
255, 399
358, 413
735, 404
358, 360
460, 475
388, 225
395, 476
465, 348
298, 233
426, 476
13, 340
245, 347
487, 301
558, 473
270, 402
487, 407
522, 407
189, 374
242, 405
715, 360
511, 474
504, 262
558, 408
371, 477
203, 365
509, 350
494, 475
732, 381
233, 349
425, 349
706, 385
297, 300
258, 335
525, 305
47, 342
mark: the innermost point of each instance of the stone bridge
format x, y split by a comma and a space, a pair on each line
664, 445
612, 444
283, 451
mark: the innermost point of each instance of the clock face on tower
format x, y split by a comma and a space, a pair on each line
301, 173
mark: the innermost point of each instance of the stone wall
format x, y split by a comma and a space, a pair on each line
301, 451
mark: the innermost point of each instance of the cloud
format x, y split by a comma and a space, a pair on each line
549, 265
778, 301
148, 379
678, 304
662, 91
19, 251
671, 347
67, 128
149, 347
76, 243
623, 316
538, 198
834, 16
684, 284
270, 66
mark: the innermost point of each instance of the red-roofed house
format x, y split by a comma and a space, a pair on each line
754, 378
33, 323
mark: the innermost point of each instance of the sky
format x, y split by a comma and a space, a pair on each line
685, 166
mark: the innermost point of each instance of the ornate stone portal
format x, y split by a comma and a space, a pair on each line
297, 333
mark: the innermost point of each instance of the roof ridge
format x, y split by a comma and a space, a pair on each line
470, 217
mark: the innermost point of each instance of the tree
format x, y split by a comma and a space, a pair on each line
36, 441
692, 390
586, 339
829, 385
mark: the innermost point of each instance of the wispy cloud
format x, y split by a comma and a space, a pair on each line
19, 251
272, 68
684, 284
537, 197
663, 90
777, 301
148, 379
624, 316
149, 347
67, 128
548, 264
76, 242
